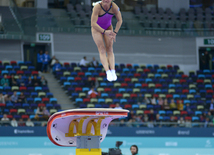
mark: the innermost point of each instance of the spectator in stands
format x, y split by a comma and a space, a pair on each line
160, 101
130, 115
20, 81
209, 115
14, 123
145, 118
181, 122
151, 115
90, 82
187, 108
46, 59
180, 105
134, 150
42, 113
122, 123
129, 123
92, 93
205, 59
158, 121
172, 105
188, 124
14, 97
5, 81
207, 123
57, 66
146, 100
212, 106
173, 121
43, 81
52, 61
94, 62
2, 98
21, 122
140, 99
153, 100
13, 81
166, 105
150, 124
134, 123
84, 62
5, 120
118, 106
39, 60
29, 82
29, 123
21, 98
35, 81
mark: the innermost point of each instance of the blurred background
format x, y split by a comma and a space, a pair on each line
164, 61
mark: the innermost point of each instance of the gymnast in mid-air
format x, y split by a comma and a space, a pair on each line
104, 35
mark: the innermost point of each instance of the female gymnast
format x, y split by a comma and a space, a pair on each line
101, 27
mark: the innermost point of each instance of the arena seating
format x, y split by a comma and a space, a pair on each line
166, 19
35, 96
162, 81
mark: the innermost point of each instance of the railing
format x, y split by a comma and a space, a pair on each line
134, 124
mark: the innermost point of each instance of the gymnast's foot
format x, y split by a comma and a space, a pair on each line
114, 75
109, 76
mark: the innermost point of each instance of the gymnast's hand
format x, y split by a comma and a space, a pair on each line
110, 34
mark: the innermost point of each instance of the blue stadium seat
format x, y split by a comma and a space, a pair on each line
85, 89
137, 85
49, 95
148, 80
192, 91
156, 91
103, 84
195, 118
98, 106
104, 95
186, 101
53, 100
176, 96
87, 74
4, 72
37, 100
123, 101
171, 85
135, 106
162, 112
38, 88
101, 100
79, 100
157, 75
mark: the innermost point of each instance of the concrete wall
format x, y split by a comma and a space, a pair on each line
174, 5
10, 50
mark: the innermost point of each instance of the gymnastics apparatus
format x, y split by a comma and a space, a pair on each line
84, 129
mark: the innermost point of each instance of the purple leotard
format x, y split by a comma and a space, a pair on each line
104, 20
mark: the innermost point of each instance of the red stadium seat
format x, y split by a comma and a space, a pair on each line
13, 111
86, 100
107, 89
102, 74
10, 116
118, 95
41, 105
34, 72
169, 96
188, 118
81, 74
144, 85
13, 63
127, 106
2, 105
184, 76
158, 85
45, 100
112, 105
25, 117
146, 70
183, 81
183, 113
78, 89
137, 75
133, 95
124, 85
200, 81
156, 95
185, 91
210, 91
66, 64
20, 72
169, 66
22, 88
129, 65
127, 80
77, 79
147, 112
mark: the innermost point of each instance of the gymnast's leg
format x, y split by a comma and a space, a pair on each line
109, 50
98, 39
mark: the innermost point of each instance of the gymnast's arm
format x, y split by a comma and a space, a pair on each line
94, 18
117, 13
